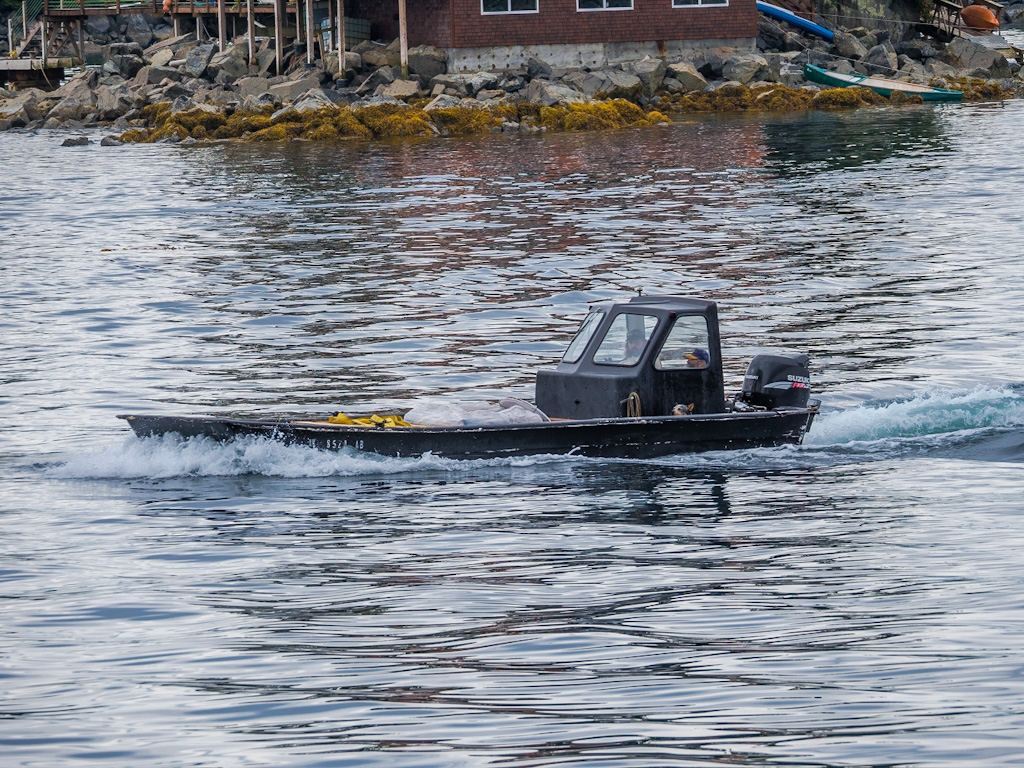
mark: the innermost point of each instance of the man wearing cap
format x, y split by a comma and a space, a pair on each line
699, 358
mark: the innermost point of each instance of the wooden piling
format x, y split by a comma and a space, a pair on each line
403, 39
279, 35
341, 36
309, 31
250, 23
222, 25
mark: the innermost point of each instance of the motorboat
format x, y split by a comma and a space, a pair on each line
641, 378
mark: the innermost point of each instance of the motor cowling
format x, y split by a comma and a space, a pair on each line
774, 380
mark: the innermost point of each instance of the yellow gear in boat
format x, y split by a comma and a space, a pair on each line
390, 420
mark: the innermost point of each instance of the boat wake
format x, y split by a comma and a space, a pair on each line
981, 424
173, 456
984, 424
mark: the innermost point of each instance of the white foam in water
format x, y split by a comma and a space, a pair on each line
934, 413
172, 456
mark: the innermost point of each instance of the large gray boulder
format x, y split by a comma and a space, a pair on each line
265, 61
199, 58
21, 110
80, 86
381, 76
290, 90
651, 73
313, 100
918, 49
687, 75
113, 101
138, 30
353, 62
881, 60
377, 55
444, 101
848, 46
589, 83
538, 69
428, 61
251, 86
155, 75
453, 85
125, 65
482, 81
745, 67
122, 49
621, 85
231, 63
399, 89
966, 55
547, 93
74, 107
98, 27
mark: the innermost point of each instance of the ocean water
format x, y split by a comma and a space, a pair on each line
854, 601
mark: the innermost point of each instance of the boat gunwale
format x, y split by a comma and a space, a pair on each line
326, 426
881, 84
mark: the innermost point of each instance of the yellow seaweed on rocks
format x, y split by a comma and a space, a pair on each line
462, 121
899, 97
781, 98
196, 118
597, 115
844, 98
392, 120
278, 132
320, 132
975, 89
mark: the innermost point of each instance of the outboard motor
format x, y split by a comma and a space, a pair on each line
774, 380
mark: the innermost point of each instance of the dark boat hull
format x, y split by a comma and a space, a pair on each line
611, 438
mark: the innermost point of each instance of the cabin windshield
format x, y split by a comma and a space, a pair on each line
626, 339
686, 345
582, 338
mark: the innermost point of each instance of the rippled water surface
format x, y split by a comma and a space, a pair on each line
856, 601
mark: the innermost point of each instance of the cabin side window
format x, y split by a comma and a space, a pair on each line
626, 339
583, 336
686, 345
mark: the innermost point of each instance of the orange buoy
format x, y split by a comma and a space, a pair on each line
979, 17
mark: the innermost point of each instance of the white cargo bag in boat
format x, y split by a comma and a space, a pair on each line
475, 413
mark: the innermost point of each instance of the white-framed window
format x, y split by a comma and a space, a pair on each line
698, 3
509, 6
604, 5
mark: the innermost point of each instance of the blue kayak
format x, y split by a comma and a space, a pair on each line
791, 18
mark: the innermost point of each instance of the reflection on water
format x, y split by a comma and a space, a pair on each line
854, 601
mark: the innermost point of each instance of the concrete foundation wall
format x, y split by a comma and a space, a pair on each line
593, 55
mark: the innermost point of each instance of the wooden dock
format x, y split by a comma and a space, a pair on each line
57, 30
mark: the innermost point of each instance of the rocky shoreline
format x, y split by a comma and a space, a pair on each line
178, 89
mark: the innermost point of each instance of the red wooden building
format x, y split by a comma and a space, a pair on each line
495, 34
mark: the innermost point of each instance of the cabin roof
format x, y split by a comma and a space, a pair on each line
684, 304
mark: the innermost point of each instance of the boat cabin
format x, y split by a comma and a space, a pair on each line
650, 356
